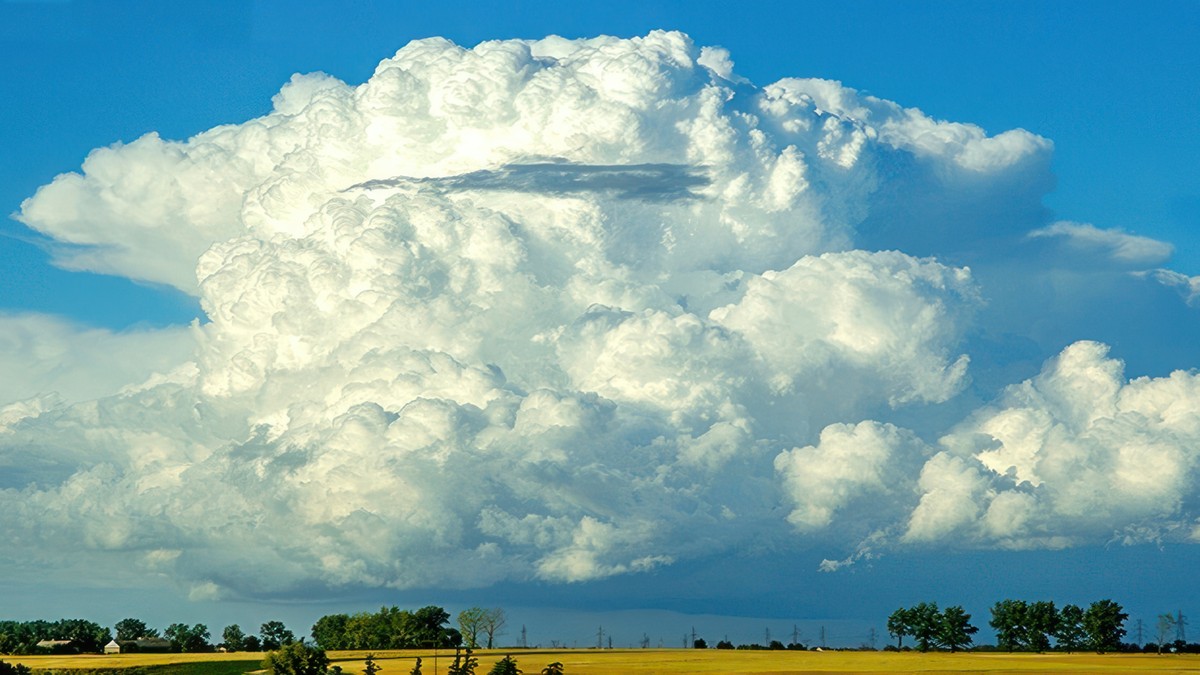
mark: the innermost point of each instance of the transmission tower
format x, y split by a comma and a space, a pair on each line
600, 637
767, 637
1180, 622
871, 637
524, 642
822, 637
1140, 641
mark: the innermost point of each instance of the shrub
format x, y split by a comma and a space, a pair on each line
297, 658
13, 669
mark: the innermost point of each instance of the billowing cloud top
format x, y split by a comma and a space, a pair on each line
562, 310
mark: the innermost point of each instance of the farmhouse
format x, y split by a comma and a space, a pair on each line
138, 646
59, 646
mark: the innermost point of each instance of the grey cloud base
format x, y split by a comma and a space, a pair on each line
564, 310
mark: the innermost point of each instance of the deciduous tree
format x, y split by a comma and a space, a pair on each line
1069, 633
132, 629
1104, 623
492, 624
1008, 620
1041, 622
275, 635
233, 638
925, 621
186, 638
470, 621
1163, 629
899, 625
955, 629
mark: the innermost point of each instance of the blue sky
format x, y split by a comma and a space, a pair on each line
1110, 85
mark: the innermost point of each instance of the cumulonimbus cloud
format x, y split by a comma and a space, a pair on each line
555, 309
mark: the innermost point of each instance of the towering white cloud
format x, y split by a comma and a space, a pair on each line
539, 309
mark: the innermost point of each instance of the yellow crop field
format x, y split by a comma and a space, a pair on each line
734, 662
112, 661
673, 661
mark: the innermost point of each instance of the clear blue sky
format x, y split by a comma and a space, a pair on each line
1112, 84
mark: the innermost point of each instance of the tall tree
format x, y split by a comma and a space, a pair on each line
493, 624
1163, 629
899, 625
1041, 622
428, 628
955, 629
234, 638
1070, 634
274, 635
470, 621
186, 638
329, 632
89, 636
1104, 623
1008, 620
133, 629
925, 620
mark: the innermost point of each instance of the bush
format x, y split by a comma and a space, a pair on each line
297, 658
13, 669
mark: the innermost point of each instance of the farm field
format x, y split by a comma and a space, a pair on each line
651, 661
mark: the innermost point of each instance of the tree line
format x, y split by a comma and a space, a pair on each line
22, 637
1019, 625
389, 628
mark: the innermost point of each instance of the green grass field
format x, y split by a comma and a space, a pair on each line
645, 662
